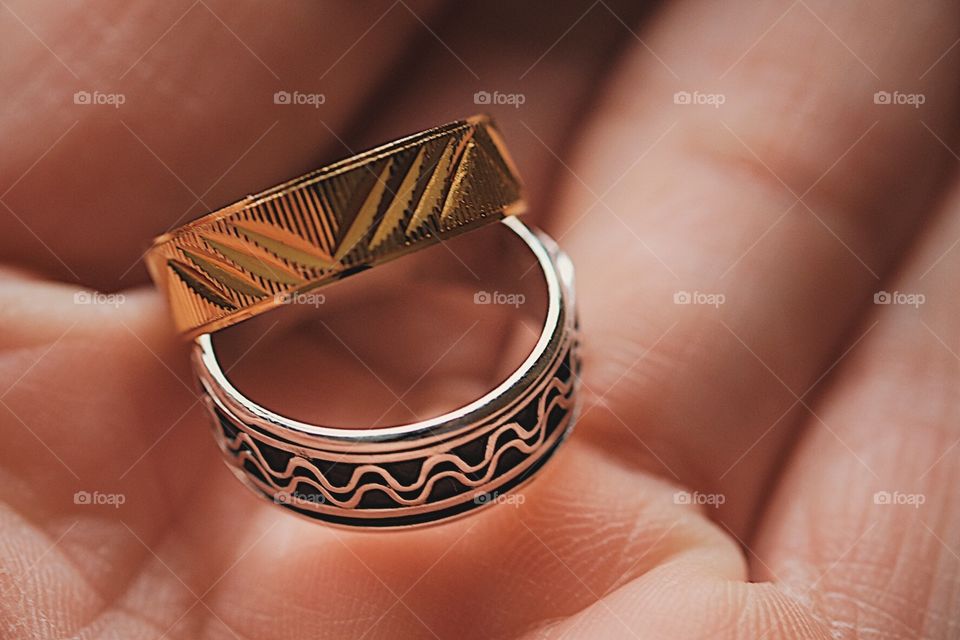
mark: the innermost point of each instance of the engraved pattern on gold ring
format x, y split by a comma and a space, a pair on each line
373, 207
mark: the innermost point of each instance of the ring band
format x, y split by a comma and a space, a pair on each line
416, 473
257, 253
265, 250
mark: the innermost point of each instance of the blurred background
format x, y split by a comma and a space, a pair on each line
123, 120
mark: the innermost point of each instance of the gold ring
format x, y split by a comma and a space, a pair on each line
257, 253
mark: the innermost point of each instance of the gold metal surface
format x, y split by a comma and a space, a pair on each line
328, 224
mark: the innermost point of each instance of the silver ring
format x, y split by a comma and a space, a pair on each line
418, 473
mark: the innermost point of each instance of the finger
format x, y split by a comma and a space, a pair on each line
176, 115
87, 380
873, 480
186, 527
94, 405
789, 200
467, 579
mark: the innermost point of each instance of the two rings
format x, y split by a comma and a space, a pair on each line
361, 212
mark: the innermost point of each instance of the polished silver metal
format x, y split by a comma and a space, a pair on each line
419, 473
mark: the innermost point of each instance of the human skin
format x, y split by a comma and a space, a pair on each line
793, 403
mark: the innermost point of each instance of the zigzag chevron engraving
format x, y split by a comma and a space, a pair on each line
334, 222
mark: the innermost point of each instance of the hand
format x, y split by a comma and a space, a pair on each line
776, 458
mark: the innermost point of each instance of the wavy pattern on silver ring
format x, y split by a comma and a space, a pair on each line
419, 473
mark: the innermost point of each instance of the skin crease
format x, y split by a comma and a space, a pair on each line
797, 400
